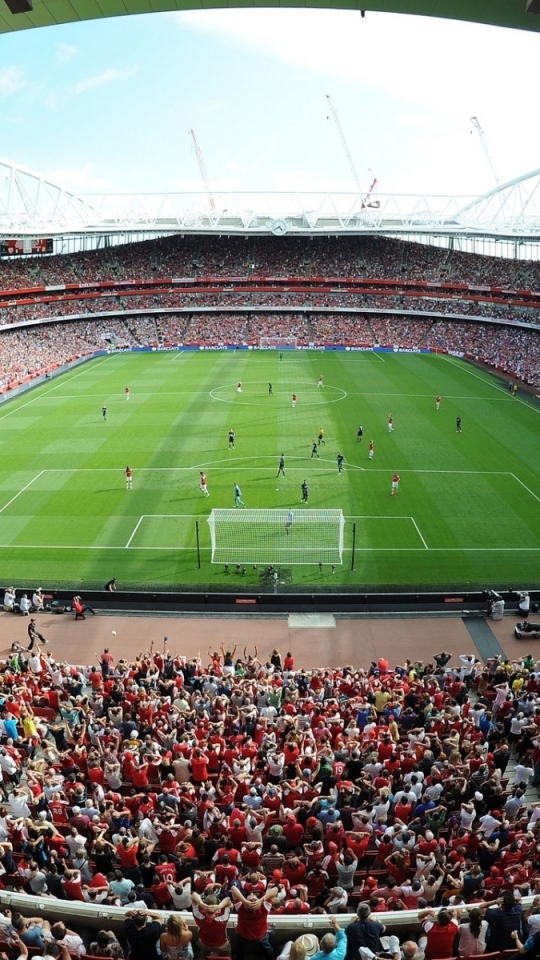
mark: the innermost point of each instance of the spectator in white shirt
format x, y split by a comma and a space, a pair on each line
34, 664
9, 599
75, 841
523, 772
25, 605
409, 795
71, 939
38, 602
18, 801
181, 894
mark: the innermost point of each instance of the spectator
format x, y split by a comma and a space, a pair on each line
333, 945
252, 925
106, 945
142, 930
363, 932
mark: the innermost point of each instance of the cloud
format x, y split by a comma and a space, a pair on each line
11, 80
79, 179
410, 57
65, 52
109, 75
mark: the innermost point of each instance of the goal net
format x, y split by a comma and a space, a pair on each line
278, 343
276, 536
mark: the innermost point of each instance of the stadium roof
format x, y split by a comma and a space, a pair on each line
32, 206
502, 13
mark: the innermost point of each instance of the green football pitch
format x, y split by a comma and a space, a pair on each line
467, 513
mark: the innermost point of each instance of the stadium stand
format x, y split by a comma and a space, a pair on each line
218, 292
169, 785
177, 785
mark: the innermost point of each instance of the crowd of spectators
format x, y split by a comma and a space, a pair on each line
227, 316
31, 351
204, 787
43, 308
206, 256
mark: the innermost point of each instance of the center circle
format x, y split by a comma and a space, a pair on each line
255, 393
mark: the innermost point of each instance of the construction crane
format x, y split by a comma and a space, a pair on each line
343, 141
367, 201
202, 169
477, 126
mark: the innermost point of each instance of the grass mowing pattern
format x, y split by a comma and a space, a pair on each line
467, 513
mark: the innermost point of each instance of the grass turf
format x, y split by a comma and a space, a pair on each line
467, 513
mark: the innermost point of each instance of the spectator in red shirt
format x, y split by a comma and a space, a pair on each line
160, 892
252, 925
211, 918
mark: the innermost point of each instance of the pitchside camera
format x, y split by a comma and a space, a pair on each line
491, 594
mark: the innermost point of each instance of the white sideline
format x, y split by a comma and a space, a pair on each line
497, 386
40, 396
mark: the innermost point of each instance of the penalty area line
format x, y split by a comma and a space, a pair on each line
418, 532
525, 487
33, 480
137, 525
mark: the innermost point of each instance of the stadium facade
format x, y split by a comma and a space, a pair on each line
504, 221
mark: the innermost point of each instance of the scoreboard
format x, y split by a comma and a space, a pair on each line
24, 246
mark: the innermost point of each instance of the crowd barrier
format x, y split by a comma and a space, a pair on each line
96, 917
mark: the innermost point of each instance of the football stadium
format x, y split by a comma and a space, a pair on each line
269, 543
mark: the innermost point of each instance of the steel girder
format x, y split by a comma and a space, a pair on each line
31, 205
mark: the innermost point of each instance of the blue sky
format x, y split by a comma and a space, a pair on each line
106, 106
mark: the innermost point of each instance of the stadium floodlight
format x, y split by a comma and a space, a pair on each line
278, 343
277, 536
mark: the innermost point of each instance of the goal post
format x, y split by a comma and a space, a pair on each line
277, 536
278, 343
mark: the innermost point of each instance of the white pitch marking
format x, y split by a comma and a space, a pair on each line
525, 487
6, 505
41, 396
32, 546
489, 383
419, 534
140, 520
212, 463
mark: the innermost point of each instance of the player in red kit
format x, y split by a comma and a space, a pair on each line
129, 478
437, 402
203, 484
395, 484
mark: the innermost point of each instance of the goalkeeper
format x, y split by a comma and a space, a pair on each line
289, 522
238, 502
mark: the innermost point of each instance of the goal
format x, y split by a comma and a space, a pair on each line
277, 536
278, 343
